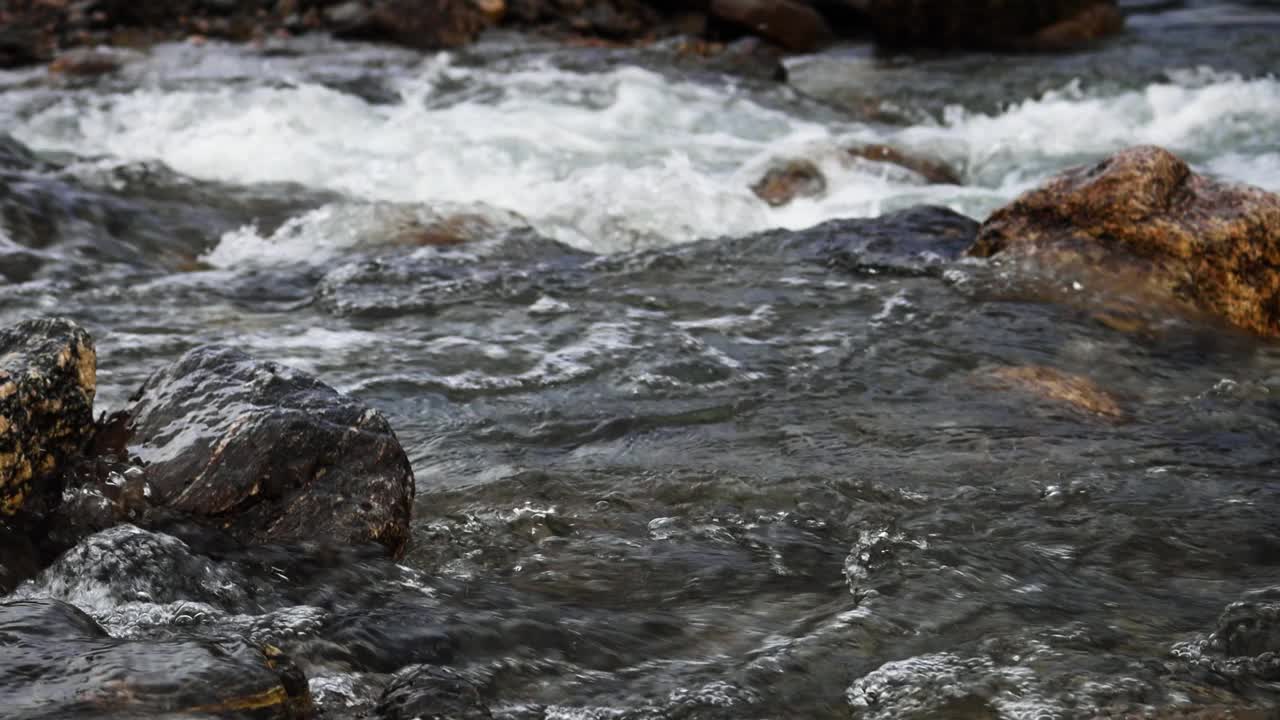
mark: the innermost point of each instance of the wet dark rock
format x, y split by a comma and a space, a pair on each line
21, 45
786, 181
418, 24
1141, 219
269, 453
427, 692
915, 241
59, 663
793, 25
47, 383
388, 638
1249, 627
19, 558
933, 171
85, 62
991, 24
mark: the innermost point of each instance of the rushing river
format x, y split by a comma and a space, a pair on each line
671, 465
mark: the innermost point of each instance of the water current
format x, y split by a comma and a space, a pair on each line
677, 454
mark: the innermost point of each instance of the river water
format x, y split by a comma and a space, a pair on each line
672, 460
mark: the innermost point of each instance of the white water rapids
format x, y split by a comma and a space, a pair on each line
612, 160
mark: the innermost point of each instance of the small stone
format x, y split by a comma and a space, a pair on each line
786, 181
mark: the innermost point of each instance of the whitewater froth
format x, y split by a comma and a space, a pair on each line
629, 158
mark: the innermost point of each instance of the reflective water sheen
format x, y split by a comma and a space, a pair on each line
672, 463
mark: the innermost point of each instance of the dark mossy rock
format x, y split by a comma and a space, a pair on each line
1143, 221
59, 663
47, 383
427, 692
269, 453
1042, 25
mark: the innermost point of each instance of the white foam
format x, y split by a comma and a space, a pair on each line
620, 159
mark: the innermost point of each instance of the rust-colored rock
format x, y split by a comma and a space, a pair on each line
933, 171
269, 453
1043, 25
1075, 391
786, 181
47, 383
793, 25
1142, 215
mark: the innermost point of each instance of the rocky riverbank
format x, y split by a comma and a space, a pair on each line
42, 31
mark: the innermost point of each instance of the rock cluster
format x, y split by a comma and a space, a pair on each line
35, 31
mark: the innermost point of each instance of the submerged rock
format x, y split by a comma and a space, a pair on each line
47, 383
784, 182
427, 692
1143, 216
269, 453
59, 663
991, 24
1075, 391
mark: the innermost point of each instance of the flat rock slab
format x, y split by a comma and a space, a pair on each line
269, 453
47, 383
59, 663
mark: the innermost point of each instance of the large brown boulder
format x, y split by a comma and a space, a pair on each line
1166, 232
269, 453
59, 663
991, 24
47, 383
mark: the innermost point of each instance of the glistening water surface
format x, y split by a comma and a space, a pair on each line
672, 460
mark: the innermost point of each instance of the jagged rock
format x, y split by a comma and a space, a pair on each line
933, 171
991, 24
269, 453
793, 25
784, 182
59, 663
47, 383
1143, 216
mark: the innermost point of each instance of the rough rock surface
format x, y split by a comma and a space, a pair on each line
270, 453
47, 383
991, 24
57, 662
1144, 216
